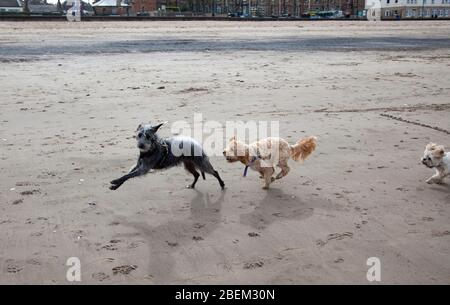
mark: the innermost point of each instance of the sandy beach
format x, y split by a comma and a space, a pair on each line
73, 94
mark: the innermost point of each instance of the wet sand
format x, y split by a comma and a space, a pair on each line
73, 94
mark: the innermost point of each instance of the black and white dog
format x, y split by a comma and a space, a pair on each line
159, 153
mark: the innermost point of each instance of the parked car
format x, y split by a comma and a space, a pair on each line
143, 14
235, 14
87, 13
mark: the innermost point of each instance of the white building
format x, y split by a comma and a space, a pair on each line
410, 9
373, 8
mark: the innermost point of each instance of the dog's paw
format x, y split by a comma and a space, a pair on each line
429, 181
190, 186
114, 187
116, 181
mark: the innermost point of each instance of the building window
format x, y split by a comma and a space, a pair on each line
387, 1
387, 13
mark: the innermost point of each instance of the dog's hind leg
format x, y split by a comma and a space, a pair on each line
190, 167
284, 170
206, 167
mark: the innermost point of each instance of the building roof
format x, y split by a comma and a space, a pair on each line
110, 3
10, 3
69, 3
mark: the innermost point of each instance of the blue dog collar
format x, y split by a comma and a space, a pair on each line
250, 164
245, 171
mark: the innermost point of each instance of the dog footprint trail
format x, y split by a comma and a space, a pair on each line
11, 268
34, 262
435, 233
24, 193
100, 276
124, 270
17, 201
113, 245
253, 264
333, 237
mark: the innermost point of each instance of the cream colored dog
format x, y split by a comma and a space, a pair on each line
263, 155
435, 157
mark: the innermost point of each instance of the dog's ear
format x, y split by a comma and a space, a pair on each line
233, 138
139, 127
155, 128
440, 150
430, 146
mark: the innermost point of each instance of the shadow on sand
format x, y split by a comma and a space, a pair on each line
276, 206
168, 239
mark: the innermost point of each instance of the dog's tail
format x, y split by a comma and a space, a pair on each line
203, 175
303, 148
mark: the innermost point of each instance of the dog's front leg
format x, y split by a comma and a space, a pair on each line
139, 170
115, 184
436, 178
268, 179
